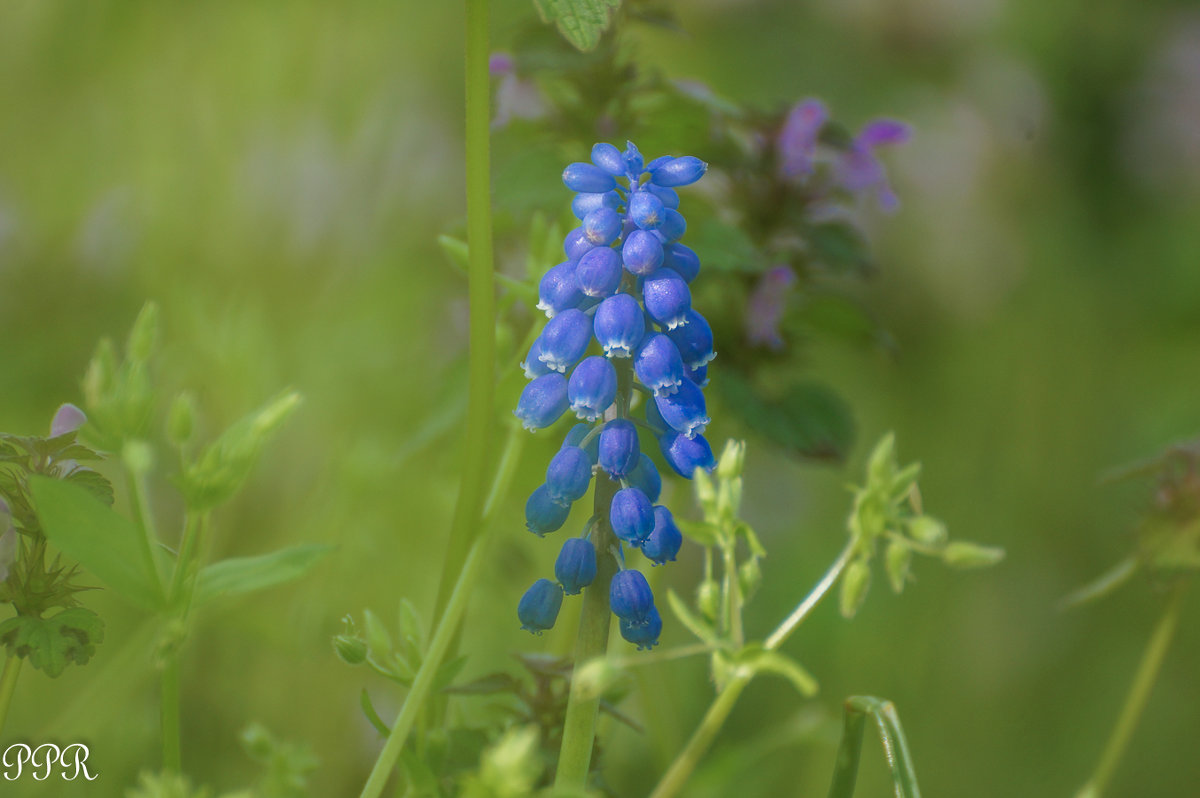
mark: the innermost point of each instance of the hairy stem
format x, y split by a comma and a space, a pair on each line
8, 686
481, 293
579, 727
1139, 694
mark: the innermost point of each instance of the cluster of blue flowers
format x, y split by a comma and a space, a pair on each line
624, 286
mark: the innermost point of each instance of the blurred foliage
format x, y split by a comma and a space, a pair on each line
275, 176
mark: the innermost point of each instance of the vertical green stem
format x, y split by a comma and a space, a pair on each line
8, 685
579, 726
135, 469
481, 293
171, 756
1139, 694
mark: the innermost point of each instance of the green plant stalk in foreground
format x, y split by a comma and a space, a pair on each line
1139, 694
895, 748
481, 288
681, 769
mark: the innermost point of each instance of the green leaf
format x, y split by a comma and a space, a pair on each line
412, 633
101, 541
51, 644
579, 21
94, 482
781, 665
809, 419
699, 531
840, 248
895, 746
455, 250
694, 623
239, 575
1102, 585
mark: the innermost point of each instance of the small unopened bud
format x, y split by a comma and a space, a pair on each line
881, 466
98, 380
897, 559
181, 419
971, 555
927, 529
708, 598
706, 492
350, 649
733, 460
144, 333
69, 418
749, 577
855, 584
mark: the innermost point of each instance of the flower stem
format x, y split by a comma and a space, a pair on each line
579, 727
681, 769
1139, 694
171, 750
481, 352
8, 685
430, 666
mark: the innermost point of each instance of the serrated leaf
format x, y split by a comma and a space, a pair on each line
693, 622
782, 665
581, 22
51, 644
239, 575
94, 482
101, 541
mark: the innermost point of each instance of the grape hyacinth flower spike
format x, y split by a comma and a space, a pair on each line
620, 318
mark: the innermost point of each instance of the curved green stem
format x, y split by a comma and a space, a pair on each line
8, 686
1139, 694
481, 376
810, 602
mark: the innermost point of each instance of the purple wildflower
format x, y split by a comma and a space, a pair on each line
859, 171
764, 310
516, 97
796, 145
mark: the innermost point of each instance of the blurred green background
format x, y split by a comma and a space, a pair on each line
274, 175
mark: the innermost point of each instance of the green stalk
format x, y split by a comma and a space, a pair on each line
8, 686
135, 470
430, 666
1139, 694
579, 726
681, 769
481, 376
171, 756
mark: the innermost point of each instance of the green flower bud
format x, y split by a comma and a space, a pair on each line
881, 465
98, 379
897, 559
706, 493
749, 577
144, 334
855, 584
971, 555
708, 598
350, 649
928, 530
181, 420
732, 460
